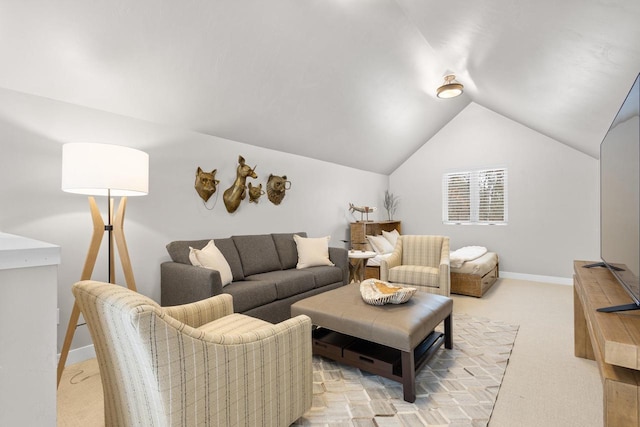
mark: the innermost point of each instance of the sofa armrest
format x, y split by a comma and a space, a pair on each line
340, 257
183, 283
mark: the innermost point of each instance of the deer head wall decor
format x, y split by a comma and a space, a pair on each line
237, 192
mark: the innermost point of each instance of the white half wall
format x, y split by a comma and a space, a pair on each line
553, 193
33, 129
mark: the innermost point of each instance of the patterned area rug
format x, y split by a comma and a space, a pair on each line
457, 387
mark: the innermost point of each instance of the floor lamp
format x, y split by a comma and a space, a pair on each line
111, 171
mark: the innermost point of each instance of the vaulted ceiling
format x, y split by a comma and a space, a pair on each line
346, 81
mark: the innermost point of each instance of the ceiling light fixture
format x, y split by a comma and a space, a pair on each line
450, 89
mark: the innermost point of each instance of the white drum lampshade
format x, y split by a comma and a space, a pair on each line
102, 169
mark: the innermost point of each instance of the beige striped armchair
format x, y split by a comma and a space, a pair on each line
420, 261
195, 364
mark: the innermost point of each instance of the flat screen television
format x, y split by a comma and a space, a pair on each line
620, 199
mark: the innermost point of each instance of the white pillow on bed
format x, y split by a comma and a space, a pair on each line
380, 244
391, 236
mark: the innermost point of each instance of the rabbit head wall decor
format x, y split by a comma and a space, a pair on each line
255, 193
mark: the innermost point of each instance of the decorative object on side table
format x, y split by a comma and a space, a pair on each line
376, 292
237, 192
364, 210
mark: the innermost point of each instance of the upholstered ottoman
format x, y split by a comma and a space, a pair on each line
392, 340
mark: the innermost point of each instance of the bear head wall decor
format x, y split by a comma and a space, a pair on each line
276, 188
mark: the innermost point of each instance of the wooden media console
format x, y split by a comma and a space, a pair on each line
611, 339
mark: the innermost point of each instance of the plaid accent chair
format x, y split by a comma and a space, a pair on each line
421, 261
196, 364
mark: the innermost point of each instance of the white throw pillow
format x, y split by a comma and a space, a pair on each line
312, 251
210, 257
391, 236
380, 244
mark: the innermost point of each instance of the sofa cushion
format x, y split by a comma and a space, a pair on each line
234, 323
312, 251
325, 275
210, 257
287, 250
179, 252
288, 282
228, 249
257, 253
249, 294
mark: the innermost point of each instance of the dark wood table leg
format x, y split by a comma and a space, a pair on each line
408, 376
448, 333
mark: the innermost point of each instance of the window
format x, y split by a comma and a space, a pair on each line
475, 197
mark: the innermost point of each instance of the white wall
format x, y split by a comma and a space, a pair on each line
32, 131
553, 193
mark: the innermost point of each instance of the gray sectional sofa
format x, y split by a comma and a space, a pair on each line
265, 279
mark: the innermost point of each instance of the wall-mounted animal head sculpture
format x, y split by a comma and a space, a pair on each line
255, 193
276, 188
206, 183
237, 192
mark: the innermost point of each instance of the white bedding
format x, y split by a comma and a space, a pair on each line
375, 261
467, 253
479, 266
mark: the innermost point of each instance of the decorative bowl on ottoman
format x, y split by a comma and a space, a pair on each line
377, 292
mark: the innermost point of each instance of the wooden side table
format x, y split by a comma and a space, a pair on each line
356, 270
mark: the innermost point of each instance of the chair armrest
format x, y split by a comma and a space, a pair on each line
199, 313
183, 283
444, 267
340, 257
393, 260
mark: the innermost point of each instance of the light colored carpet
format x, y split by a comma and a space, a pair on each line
544, 385
457, 387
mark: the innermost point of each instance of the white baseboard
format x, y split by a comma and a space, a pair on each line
80, 355
537, 278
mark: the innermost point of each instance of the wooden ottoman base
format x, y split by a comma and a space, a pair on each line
381, 360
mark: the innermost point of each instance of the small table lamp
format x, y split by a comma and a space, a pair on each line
103, 170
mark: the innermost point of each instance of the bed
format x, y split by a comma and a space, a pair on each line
475, 277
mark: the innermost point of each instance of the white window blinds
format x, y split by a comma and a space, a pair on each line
475, 197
